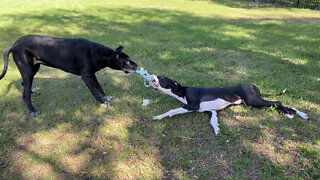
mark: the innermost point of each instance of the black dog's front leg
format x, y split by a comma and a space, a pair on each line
99, 89
89, 79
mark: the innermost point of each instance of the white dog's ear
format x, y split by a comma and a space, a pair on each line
118, 50
176, 84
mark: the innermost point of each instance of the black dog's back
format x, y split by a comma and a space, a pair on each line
55, 52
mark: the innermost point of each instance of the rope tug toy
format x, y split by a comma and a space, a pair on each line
146, 76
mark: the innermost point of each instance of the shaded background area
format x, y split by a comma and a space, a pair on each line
198, 43
311, 4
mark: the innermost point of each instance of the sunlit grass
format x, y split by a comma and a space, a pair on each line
198, 43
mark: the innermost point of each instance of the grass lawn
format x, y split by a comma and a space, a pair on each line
198, 43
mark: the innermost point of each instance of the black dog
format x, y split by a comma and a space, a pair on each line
213, 99
77, 56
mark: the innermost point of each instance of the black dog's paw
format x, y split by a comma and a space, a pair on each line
105, 104
34, 94
107, 97
34, 113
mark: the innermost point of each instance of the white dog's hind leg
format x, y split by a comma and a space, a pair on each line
214, 122
171, 113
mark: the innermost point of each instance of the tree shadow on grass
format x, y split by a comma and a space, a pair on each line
48, 140
176, 44
245, 4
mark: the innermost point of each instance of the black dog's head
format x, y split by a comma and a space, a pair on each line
167, 86
123, 61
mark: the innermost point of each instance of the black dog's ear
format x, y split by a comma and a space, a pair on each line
118, 50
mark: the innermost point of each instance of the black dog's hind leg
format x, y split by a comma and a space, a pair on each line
35, 69
89, 79
27, 71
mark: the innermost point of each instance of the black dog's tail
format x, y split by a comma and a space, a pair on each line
5, 64
279, 94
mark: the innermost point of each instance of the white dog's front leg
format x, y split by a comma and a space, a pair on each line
171, 113
214, 122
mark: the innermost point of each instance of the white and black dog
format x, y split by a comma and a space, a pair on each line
214, 99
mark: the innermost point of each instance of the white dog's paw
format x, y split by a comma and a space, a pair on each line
216, 130
302, 114
105, 104
290, 116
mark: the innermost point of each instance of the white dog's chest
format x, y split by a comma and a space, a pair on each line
216, 104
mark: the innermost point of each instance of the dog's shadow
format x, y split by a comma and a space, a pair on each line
57, 92
65, 104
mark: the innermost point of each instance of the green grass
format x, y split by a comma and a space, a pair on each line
198, 43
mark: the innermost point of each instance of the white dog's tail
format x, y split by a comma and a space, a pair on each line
279, 94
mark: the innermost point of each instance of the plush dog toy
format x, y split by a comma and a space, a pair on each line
146, 76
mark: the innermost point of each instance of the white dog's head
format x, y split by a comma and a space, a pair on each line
169, 87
